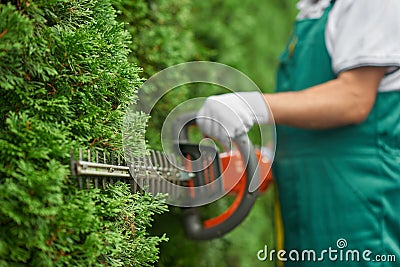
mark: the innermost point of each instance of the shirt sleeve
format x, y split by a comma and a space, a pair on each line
364, 33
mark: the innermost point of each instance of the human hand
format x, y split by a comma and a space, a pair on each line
230, 115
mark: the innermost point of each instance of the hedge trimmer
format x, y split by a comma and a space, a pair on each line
203, 173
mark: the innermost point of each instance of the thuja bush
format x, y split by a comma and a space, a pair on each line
114, 223
65, 81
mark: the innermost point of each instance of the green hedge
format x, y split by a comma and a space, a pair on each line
65, 81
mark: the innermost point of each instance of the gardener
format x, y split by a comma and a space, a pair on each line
337, 110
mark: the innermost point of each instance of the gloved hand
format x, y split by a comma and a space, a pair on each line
229, 115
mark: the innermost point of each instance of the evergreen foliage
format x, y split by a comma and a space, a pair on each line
65, 81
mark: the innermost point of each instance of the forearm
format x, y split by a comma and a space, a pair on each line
319, 107
340, 102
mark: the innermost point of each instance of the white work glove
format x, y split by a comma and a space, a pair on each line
227, 116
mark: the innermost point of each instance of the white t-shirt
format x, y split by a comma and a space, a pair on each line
361, 33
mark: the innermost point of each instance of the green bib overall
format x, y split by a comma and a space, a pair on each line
337, 184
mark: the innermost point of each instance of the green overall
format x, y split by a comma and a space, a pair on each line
336, 184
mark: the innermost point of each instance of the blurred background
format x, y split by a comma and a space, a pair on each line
245, 34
